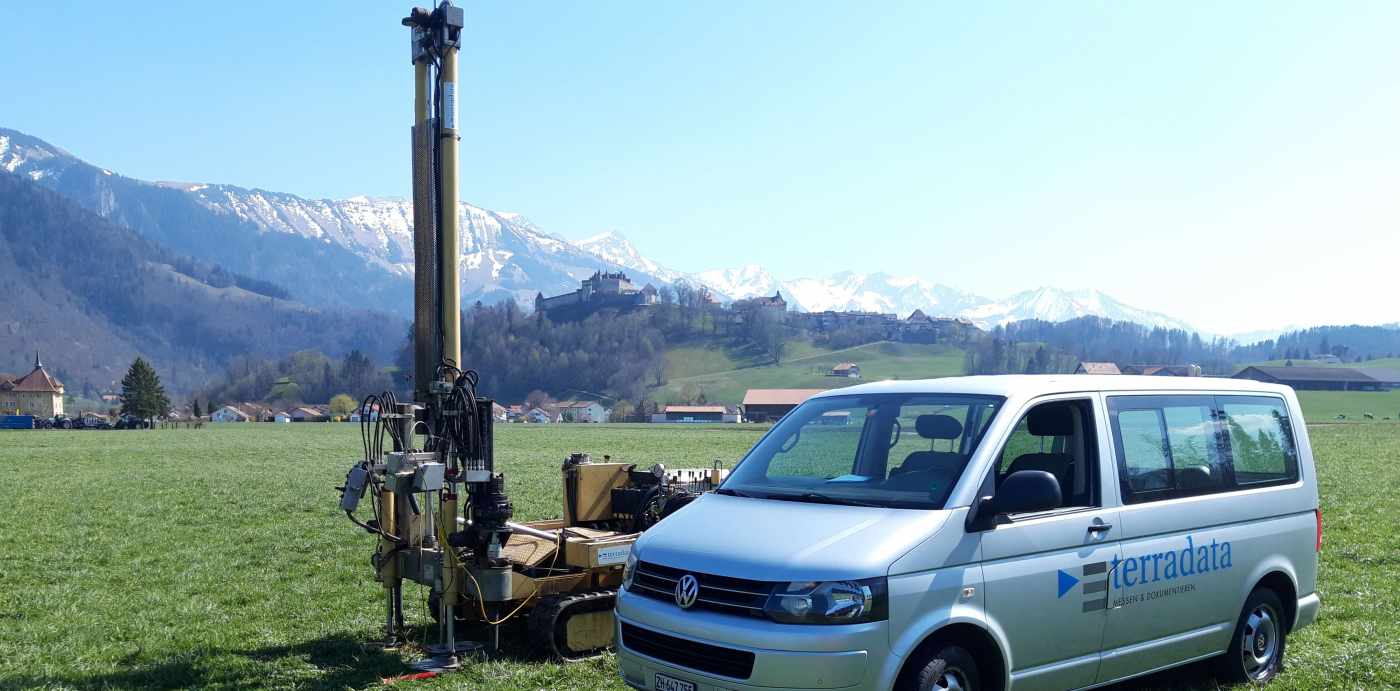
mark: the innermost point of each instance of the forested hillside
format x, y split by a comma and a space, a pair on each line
91, 295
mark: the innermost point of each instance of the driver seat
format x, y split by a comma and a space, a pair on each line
933, 427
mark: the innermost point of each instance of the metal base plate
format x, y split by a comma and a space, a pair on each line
441, 649
441, 660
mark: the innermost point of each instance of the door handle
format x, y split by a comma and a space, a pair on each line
1100, 527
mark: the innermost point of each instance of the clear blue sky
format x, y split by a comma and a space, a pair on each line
1235, 165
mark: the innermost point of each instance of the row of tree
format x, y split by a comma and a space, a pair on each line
306, 376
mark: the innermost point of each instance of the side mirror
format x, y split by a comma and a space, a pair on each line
1021, 492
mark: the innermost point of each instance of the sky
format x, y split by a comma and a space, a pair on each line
1230, 164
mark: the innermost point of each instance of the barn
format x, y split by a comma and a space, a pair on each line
767, 405
690, 413
1312, 378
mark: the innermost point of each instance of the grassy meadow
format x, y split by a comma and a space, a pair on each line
723, 375
216, 558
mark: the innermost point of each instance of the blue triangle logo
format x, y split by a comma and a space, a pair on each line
1067, 582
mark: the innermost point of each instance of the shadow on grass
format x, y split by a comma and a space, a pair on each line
337, 662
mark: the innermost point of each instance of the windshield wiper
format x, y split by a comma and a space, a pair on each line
735, 493
819, 498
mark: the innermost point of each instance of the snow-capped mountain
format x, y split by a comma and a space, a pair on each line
612, 247
358, 252
742, 282
354, 252
1053, 304
880, 292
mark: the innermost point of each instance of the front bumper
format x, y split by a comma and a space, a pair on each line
786, 656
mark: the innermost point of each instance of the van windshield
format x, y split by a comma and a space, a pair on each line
895, 450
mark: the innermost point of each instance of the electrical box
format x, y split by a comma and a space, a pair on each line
588, 490
428, 477
354, 488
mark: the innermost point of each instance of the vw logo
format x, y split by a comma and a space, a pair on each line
687, 589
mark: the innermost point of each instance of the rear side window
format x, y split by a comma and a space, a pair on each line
1174, 446
1261, 439
1168, 446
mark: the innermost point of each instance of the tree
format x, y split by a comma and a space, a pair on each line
621, 411
196, 411
143, 395
342, 405
537, 399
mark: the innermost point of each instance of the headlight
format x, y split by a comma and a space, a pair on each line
832, 602
630, 568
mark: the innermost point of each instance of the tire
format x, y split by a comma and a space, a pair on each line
950, 667
1255, 655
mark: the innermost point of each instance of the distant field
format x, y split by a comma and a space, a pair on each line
804, 368
1389, 363
1325, 406
215, 558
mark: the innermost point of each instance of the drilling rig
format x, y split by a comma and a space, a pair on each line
441, 513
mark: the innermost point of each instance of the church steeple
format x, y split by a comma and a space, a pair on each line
37, 364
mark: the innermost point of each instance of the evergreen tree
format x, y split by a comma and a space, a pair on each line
196, 411
143, 395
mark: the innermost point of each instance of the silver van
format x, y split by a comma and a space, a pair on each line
1027, 532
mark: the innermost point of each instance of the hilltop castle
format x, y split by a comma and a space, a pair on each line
601, 290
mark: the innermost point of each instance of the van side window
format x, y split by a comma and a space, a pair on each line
1057, 437
1261, 439
1168, 446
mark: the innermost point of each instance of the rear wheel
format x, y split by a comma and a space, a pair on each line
1255, 654
950, 667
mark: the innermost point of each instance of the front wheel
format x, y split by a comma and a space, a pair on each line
1255, 654
951, 667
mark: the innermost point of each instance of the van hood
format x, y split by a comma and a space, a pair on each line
773, 540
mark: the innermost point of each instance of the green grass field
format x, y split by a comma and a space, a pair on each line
1325, 406
215, 558
723, 376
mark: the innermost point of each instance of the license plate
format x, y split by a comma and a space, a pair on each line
665, 683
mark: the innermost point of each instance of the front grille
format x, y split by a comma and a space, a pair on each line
717, 593
728, 662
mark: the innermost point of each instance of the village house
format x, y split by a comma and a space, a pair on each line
1097, 368
540, 416
37, 393
581, 411
229, 413
775, 303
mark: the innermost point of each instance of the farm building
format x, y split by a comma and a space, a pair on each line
767, 405
310, 413
498, 412
1097, 368
846, 369
695, 413
540, 416
1163, 370
37, 393
282, 416
229, 413
1388, 378
581, 411
1312, 378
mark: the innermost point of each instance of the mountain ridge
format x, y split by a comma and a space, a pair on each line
357, 252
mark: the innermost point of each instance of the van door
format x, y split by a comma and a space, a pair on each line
1046, 573
1175, 592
